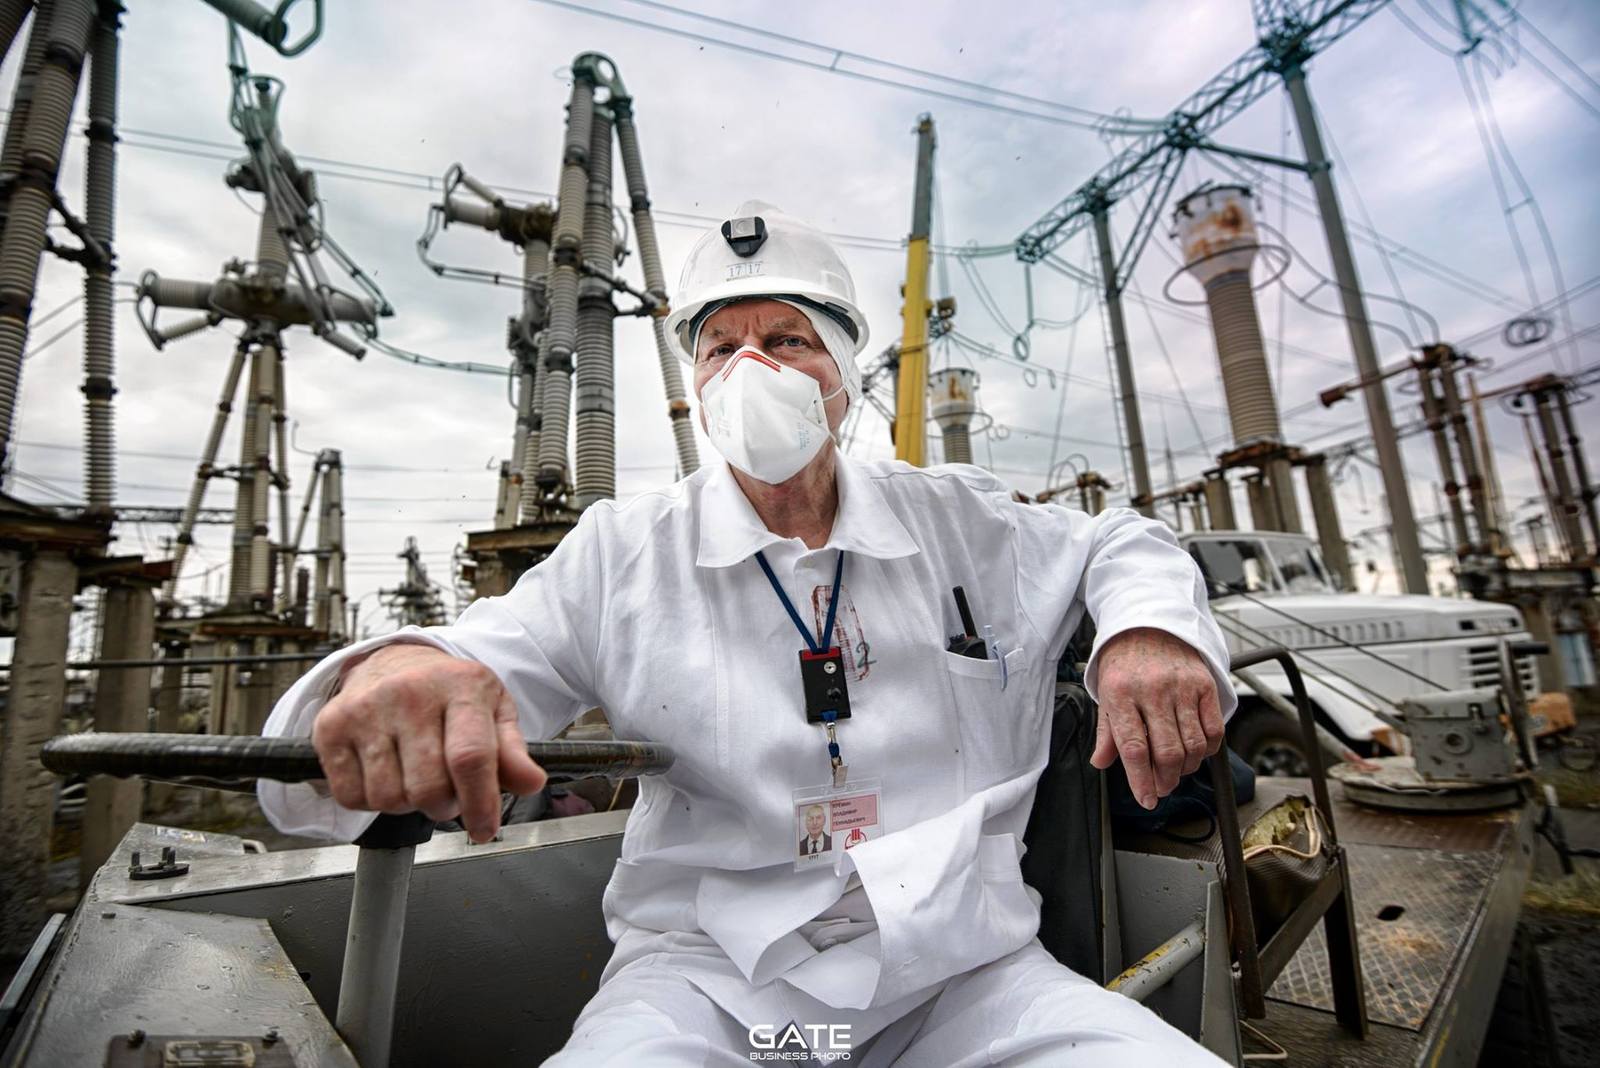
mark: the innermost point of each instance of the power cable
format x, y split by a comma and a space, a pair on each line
1070, 115
1529, 199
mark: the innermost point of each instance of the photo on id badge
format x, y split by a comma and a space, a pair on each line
828, 818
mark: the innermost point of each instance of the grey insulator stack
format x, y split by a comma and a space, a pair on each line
272, 255
100, 216
535, 277
561, 336
22, 98
43, 140
954, 393
1217, 232
12, 14
208, 459
1236, 327
594, 405
329, 596
266, 368
244, 493
644, 230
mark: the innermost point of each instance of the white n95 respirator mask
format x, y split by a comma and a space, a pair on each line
766, 419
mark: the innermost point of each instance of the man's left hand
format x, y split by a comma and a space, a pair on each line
1158, 710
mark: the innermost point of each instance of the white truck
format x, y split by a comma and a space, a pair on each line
1358, 651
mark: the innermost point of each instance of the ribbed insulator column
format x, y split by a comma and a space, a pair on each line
957, 444
272, 255
27, 78
1236, 328
333, 494
575, 165
644, 230
265, 404
12, 13
43, 141
561, 335
953, 403
594, 404
99, 214
535, 277
244, 494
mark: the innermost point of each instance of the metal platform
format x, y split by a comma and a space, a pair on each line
1436, 901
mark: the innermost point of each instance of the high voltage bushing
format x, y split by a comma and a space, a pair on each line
27, 78
954, 393
594, 404
644, 229
1216, 230
1217, 233
560, 339
43, 140
100, 183
12, 15
530, 409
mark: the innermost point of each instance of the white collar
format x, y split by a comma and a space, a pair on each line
731, 532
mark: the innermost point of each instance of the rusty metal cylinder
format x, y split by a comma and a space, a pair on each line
953, 393
1216, 230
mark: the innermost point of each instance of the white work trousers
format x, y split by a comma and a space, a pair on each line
1024, 1010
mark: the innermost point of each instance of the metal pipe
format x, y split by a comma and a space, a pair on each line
1158, 967
1494, 513
370, 976
644, 231
1133, 427
1413, 567
23, 241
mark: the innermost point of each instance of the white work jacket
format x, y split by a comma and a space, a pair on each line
655, 610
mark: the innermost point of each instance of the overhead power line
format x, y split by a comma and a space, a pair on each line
847, 64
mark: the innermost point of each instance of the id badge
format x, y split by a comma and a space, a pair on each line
828, 820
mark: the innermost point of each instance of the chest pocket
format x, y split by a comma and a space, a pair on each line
998, 725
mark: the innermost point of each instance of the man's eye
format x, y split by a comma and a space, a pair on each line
793, 341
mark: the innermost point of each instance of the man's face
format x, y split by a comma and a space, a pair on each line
780, 331
814, 822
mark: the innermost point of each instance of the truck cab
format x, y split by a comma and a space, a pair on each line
1358, 651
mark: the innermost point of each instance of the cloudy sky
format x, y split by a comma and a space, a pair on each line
393, 94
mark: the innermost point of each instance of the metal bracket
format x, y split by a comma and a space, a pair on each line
167, 868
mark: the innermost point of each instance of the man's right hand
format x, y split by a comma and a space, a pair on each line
413, 728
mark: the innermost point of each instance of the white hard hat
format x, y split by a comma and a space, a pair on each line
761, 252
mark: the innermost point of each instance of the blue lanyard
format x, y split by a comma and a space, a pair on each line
822, 642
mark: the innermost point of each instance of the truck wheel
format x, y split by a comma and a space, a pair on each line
1270, 744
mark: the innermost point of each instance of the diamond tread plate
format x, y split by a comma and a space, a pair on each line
1404, 959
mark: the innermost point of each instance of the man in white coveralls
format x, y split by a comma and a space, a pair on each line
782, 621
